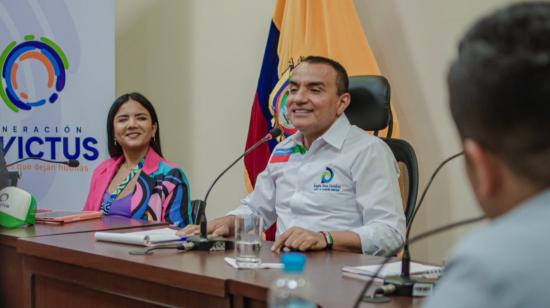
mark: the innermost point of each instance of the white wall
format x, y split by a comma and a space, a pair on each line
414, 42
198, 61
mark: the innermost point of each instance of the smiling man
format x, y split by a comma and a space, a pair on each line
330, 185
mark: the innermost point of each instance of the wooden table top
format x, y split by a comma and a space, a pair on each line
207, 272
9, 236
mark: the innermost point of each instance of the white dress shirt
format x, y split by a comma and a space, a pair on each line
346, 181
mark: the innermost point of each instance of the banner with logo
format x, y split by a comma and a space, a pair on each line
57, 83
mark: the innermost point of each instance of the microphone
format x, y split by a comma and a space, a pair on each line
10, 178
406, 260
71, 162
203, 242
376, 298
273, 133
404, 284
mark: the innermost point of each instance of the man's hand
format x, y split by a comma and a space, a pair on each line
300, 239
222, 226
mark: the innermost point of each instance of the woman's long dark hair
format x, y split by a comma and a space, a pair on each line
115, 150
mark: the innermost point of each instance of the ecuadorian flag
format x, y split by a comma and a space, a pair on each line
300, 28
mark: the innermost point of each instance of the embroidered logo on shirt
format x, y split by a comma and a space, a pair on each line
283, 155
326, 178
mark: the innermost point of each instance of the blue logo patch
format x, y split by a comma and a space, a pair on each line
327, 176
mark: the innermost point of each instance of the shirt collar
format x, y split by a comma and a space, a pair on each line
149, 165
337, 132
335, 135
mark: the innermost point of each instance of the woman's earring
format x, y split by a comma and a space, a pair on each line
115, 142
154, 140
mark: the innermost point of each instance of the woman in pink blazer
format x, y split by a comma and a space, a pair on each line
137, 182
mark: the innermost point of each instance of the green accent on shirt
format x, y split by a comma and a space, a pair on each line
299, 149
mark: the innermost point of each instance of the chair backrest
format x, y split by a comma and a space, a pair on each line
370, 103
370, 110
408, 166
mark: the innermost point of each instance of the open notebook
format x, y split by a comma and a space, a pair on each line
142, 238
390, 269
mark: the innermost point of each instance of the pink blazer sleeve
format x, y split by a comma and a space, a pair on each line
92, 203
100, 179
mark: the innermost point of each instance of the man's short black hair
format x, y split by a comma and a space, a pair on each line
499, 88
342, 79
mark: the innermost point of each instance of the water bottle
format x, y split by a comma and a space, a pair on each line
291, 289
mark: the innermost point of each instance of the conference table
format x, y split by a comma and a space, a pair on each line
11, 266
77, 269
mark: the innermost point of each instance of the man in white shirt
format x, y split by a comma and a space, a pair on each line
330, 184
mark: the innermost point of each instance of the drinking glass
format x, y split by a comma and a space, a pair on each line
248, 237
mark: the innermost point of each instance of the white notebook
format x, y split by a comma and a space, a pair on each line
391, 269
142, 238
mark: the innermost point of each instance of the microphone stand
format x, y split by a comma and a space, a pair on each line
380, 291
70, 163
10, 178
203, 242
405, 284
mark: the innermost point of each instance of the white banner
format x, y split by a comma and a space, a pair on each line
57, 84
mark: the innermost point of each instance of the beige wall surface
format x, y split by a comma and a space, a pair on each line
198, 62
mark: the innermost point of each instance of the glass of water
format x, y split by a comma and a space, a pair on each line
248, 240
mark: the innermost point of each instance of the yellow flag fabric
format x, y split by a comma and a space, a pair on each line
329, 28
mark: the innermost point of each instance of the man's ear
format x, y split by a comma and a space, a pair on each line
343, 103
484, 170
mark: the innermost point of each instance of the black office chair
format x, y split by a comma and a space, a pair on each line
7, 178
370, 110
406, 157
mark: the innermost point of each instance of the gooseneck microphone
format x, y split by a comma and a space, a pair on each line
404, 284
203, 243
273, 133
71, 162
10, 178
406, 260
411, 241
